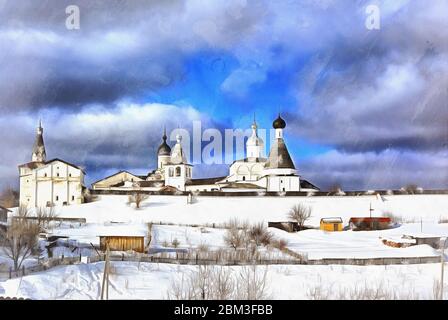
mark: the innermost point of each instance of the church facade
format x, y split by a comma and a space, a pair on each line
49, 183
276, 173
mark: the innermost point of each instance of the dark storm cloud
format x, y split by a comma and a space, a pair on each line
380, 89
379, 98
123, 48
388, 169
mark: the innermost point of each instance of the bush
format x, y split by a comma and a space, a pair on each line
175, 243
221, 283
280, 244
260, 234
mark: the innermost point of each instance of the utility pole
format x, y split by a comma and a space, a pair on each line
442, 262
105, 285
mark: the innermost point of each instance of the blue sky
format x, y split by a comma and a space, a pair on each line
364, 108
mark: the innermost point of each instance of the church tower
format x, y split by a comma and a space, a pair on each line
39, 154
279, 169
254, 145
164, 152
178, 171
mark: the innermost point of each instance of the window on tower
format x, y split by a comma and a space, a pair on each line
178, 169
171, 172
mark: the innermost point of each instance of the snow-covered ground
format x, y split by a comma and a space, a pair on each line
111, 215
424, 209
209, 210
131, 280
319, 244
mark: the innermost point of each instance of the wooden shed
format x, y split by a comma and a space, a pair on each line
420, 238
123, 243
370, 223
331, 224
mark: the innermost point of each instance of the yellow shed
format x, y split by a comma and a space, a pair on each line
331, 224
123, 243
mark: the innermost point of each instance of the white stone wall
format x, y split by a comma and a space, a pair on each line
245, 171
283, 183
175, 180
55, 183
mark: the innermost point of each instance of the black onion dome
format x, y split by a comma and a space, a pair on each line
279, 123
164, 148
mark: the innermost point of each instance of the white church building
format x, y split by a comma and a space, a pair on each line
49, 183
276, 173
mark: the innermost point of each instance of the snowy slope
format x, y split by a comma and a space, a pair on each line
220, 209
152, 281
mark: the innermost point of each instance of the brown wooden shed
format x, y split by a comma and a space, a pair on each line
123, 243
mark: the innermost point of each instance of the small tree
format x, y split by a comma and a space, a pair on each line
260, 234
251, 284
235, 238
21, 238
300, 214
137, 197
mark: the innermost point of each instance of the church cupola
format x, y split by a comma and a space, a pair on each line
254, 144
279, 157
279, 124
178, 154
39, 154
164, 148
163, 152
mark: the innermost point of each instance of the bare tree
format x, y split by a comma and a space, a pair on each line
9, 197
251, 284
223, 283
21, 237
44, 216
137, 197
235, 238
260, 234
195, 286
300, 214
220, 283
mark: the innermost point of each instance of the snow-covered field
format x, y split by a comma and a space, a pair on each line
131, 280
112, 215
424, 209
220, 209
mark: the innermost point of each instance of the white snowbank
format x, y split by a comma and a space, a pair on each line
152, 281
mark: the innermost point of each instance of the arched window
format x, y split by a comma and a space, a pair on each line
244, 178
178, 171
171, 172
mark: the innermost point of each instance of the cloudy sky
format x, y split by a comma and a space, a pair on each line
364, 108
